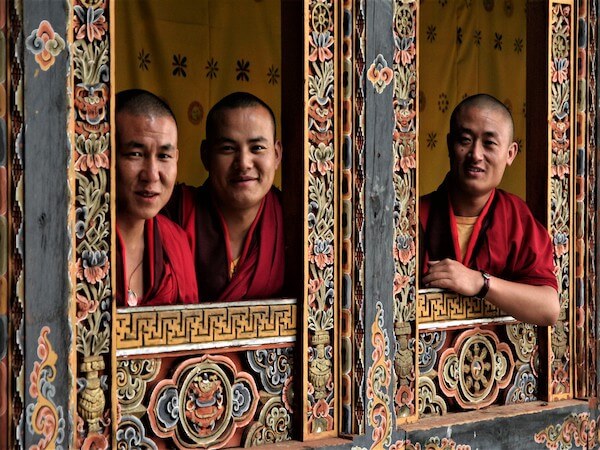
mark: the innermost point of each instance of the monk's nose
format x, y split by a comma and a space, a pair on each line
244, 159
150, 172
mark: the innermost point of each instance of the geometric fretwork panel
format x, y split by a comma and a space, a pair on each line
471, 367
436, 305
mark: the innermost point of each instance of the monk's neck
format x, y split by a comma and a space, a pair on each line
467, 205
132, 233
238, 223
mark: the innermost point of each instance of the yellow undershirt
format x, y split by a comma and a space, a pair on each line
464, 227
233, 267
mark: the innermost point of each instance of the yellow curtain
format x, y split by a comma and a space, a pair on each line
467, 47
192, 53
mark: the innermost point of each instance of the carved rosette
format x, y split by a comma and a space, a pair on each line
203, 404
405, 102
561, 186
321, 219
475, 369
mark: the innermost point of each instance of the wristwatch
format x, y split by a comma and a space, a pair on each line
486, 286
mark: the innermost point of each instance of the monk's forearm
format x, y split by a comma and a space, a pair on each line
538, 305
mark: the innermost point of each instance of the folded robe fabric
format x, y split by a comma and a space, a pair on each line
169, 276
507, 241
260, 269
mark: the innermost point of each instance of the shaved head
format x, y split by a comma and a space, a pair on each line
481, 101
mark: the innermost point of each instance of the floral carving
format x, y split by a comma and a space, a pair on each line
379, 74
45, 44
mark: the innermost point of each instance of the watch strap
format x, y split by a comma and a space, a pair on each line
486, 286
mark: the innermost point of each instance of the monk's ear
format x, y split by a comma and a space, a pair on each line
204, 154
278, 150
513, 149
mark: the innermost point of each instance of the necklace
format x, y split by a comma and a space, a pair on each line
132, 298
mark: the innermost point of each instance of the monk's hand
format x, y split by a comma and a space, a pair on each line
452, 275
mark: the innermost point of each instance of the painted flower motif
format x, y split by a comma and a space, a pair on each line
404, 250
80, 219
400, 282
45, 44
320, 42
313, 287
92, 266
477, 37
559, 70
93, 153
431, 140
518, 45
321, 253
498, 41
407, 160
560, 164
95, 441
89, 23
405, 50
431, 33
85, 306
287, 394
561, 244
379, 74
322, 159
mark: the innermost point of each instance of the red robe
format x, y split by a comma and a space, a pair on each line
507, 241
260, 269
169, 276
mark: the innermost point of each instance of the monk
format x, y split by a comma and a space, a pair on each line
234, 221
155, 265
480, 240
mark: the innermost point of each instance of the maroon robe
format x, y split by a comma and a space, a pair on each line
507, 241
169, 276
260, 269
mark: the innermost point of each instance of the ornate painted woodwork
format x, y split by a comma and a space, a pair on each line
405, 107
358, 38
321, 278
407, 357
585, 203
146, 330
4, 144
240, 398
561, 107
92, 230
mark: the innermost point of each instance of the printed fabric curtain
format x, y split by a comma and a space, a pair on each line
467, 47
194, 52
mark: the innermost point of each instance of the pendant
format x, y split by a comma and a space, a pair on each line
132, 299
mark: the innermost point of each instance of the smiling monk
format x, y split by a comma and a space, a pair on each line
477, 239
234, 221
155, 265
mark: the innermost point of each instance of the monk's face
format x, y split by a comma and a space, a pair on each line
241, 158
480, 150
146, 164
